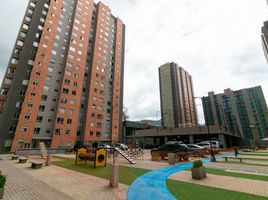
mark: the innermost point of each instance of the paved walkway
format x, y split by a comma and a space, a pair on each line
50, 183
252, 168
22, 186
225, 182
152, 185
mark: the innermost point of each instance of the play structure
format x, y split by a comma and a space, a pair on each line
99, 157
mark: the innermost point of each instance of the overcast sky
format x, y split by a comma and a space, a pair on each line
218, 42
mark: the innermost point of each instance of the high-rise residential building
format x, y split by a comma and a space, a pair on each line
64, 80
243, 112
177, 97
264, 38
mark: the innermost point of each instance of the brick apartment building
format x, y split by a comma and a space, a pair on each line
64, 80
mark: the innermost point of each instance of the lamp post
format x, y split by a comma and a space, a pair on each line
208, 128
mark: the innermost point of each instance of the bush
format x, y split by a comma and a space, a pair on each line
2, 181
68, 150
197, 163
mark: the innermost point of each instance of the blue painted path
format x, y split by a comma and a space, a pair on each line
152, 185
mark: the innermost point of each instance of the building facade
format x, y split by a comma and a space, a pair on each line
177, 97
241, 112
264, 39
64, 80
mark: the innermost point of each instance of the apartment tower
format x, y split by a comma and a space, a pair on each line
176, 96
243, 112
264, 39
64, 80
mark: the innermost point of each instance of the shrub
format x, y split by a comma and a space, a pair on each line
2, 181
197, 163
68, 150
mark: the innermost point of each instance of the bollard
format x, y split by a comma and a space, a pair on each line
171, 158
114, 174
48, 160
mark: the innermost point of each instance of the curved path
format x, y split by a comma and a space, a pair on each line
152, 185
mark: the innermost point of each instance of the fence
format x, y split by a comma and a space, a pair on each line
37, 151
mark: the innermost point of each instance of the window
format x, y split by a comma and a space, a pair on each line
25, 82
20, 43
25, 26
73, 92
60, 120
44, 97
63, 100
58, 131
98, 134
39, 119
61, 110
67, 81
8, 81
46, 88
91, 133
40, 28
65, 91
37, 130
92, 124
22, 34
42, 108
69, 121
27, 116
68, 73
30, 62
72, 101
23, 129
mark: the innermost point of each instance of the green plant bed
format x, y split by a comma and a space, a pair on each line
126, 174
2, 181
189, 191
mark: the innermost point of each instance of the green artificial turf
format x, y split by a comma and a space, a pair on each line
181, 190
189, 191
259, 159
238, 175
243, 163
126, 174
254, 154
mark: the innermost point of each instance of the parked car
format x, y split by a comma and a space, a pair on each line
197, 150
181, 150
214, 142
207, 146
121, 146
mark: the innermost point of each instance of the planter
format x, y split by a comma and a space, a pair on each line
199, 173
2, 192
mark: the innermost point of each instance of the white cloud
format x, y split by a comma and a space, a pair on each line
217, 42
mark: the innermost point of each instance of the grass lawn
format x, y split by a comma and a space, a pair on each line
243, 163
127, 174
189, 191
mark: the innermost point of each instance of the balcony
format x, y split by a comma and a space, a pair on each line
9, 75
3, 98
26, 22
19, 47
6, 86
16, 56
